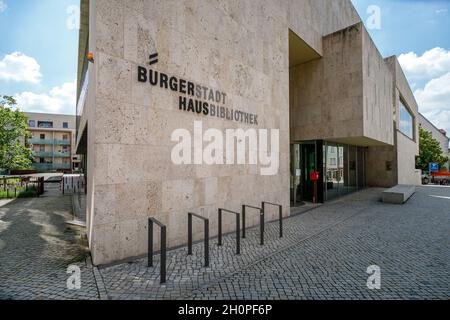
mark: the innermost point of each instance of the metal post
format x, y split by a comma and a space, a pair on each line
62, 185
280, 213
150, 243
261, 223
15, 192
189, 234
281, 221
219, 241
163, 254
243, 222
206, 243
238, 235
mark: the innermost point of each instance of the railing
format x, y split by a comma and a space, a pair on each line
49, 141
62, 154
206, 235
62, 142
50, 166
40, 141
50, 154
238, 231
280, 214
261, 221
43, 154
163, 249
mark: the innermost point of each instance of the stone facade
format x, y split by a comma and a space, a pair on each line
237, 47
391, 165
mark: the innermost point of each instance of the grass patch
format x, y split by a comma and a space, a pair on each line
20, 192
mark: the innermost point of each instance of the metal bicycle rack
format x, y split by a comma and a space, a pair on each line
261, 221
238, 231
163, 249
206, 235
163, 243
280, 214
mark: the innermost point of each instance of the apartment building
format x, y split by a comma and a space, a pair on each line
52, 141
438, 134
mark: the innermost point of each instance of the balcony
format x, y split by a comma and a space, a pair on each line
42, 167
49, 141
50, 154
40, 141
62, 142
43, 154
62, 154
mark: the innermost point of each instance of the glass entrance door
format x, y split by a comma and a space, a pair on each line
296, 174
303, 163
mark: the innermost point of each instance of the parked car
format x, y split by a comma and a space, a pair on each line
440, 178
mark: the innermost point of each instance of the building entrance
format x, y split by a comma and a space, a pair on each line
304, 161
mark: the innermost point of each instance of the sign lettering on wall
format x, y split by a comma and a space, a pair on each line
195, 98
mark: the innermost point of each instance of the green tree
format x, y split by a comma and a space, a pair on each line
429, 151
13, 133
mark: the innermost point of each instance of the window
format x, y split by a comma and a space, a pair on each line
406, 121
65, 125
42, 148
42, 136
31, 123
45, 124
65, 137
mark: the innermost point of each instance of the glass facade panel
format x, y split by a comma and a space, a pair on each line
352, 177
344, 167
406, 121
332, 171
360, 164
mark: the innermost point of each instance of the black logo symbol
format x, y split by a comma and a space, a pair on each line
153, 58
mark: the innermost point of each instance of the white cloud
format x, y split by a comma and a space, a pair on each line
61, 99
434, 101
3, 6
429, 75
442, 11
19, 67
432, 64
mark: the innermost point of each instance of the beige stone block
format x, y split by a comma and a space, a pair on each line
104, 205
105, 244
128, 239
177, 195
114, 78
110, 35
131, 200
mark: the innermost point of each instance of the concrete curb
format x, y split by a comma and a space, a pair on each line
101, 288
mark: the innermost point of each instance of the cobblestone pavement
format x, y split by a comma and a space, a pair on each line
324, 255
36, 248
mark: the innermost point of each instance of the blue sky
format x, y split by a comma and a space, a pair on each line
417, 31
39, 44
39, 29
